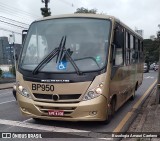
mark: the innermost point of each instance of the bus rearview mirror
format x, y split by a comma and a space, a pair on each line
24, 34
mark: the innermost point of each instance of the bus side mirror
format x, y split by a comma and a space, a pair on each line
24, 34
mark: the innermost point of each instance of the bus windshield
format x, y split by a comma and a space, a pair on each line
86, 44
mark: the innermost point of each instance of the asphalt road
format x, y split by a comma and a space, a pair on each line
11, 119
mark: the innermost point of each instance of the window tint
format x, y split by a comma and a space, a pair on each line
127, 48
141, 51
134, 50
131, 49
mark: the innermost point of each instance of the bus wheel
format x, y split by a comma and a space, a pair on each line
113, 106
37, 119
133, 95
111, 111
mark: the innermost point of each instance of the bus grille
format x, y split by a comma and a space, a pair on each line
62, 97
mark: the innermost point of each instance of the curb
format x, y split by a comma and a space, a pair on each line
10, 86
6, 88
135, 113
4, 81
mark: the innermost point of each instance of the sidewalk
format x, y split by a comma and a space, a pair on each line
6, 85
147, 120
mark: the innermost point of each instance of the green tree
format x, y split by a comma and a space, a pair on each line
151, 50
85, 10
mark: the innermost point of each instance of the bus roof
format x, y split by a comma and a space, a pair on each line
100, 16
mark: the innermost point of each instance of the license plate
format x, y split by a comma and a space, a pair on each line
55, 113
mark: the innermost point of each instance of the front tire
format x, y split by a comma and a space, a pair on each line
37, 120
111, 111
133, 95
14, 94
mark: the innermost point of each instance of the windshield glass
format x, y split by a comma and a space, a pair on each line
86, 41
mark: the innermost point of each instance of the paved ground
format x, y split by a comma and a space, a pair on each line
148, 119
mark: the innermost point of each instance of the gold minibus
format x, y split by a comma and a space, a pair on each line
78, 67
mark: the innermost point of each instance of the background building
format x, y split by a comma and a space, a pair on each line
3, 45
140, 32
6, 51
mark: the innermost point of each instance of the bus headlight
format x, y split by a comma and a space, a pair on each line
23, 91
93, 93
98, 90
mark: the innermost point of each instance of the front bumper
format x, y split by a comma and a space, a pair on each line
91, 110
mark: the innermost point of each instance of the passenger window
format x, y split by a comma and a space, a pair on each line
119, 45
127, 48
136, 51
132, 49
141, 55
136, 45
119, 57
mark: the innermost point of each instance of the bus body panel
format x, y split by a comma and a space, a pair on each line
124, 83
73, 109
72, 112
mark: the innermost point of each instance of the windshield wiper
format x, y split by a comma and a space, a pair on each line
63, 52
72, 62
61, 49
48, 58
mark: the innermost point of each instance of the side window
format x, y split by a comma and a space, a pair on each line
136, 44
127, 48
132, 49
136, 51
141, 51
119, 45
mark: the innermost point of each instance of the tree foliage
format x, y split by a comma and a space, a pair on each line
85, 10
151, 51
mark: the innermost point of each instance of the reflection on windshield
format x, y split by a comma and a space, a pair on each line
87, 44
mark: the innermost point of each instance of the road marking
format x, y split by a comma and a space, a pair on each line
7, 102
5, 93
107, 139
136, 105
82, 133
28, 120
39, 127
148, 77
